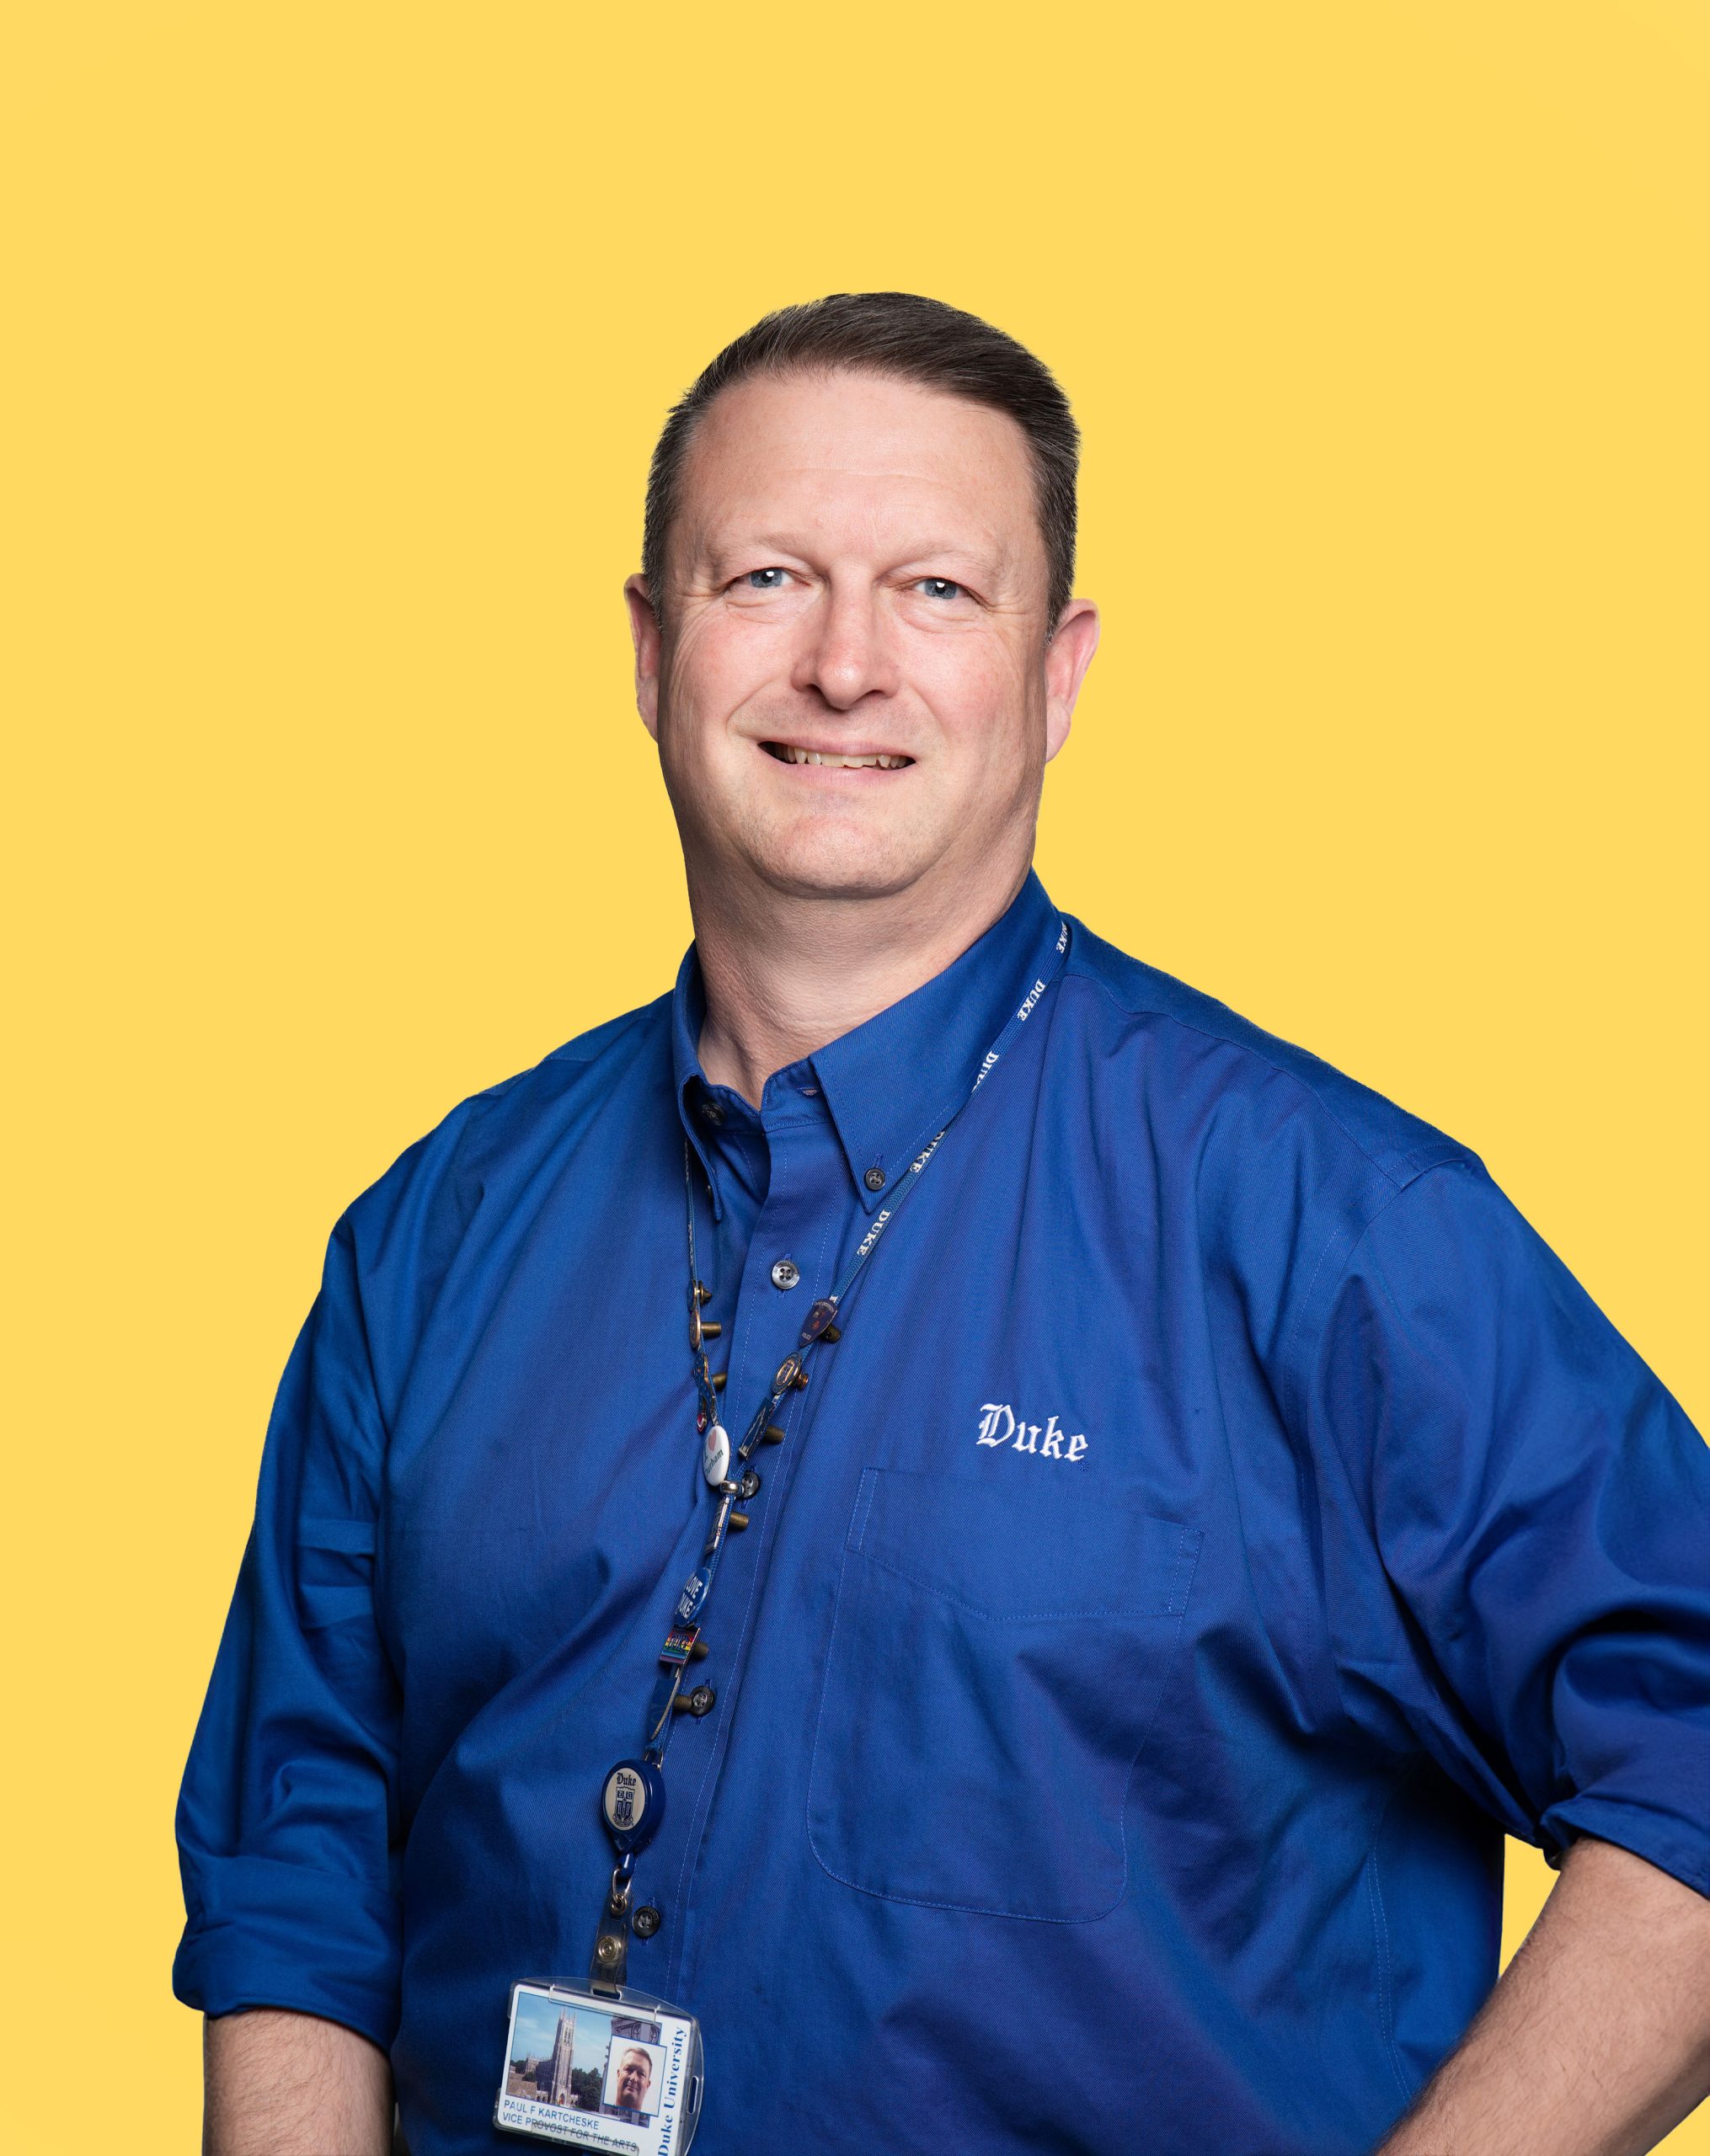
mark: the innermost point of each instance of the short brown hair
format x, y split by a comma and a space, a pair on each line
915, 339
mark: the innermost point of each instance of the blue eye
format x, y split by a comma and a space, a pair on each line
766, 579
939, 587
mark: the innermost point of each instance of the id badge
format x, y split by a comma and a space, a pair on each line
620, 2073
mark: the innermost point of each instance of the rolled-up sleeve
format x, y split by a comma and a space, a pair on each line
1538, 1509
287, 1822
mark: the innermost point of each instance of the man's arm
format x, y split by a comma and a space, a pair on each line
290, 1817
290, 2084
1596, 2041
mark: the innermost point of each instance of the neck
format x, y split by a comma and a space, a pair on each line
785, 975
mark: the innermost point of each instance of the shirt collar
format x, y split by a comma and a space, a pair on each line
893, 1082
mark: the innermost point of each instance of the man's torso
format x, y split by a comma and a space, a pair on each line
1033, 1740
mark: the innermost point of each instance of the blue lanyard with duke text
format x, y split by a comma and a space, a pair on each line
633, 1797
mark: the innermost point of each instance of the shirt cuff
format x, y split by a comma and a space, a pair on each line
1659, 1838
266, 1934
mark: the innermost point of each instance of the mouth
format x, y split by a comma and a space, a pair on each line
836, 760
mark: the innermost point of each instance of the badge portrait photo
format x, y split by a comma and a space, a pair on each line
589, 2061
858, 1106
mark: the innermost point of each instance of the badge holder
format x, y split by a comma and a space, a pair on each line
615, 2071
598, 2066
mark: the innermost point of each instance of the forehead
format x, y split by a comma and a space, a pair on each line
849, 452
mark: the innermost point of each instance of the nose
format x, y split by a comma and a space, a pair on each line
845, 652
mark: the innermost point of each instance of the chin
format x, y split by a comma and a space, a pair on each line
838, 858
810, 870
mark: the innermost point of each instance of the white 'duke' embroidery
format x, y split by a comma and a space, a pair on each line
999, 1426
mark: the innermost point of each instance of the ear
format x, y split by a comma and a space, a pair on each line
644, 632
1067, 656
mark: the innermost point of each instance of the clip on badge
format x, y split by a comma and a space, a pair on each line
632, 1804
620, 2073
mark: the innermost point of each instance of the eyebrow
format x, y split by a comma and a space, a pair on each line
723, 553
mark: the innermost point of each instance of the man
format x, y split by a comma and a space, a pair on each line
1190, 1516
629, 2085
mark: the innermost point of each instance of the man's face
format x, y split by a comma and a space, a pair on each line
857, 573
634, 2071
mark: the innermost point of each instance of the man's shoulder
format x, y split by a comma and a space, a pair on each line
518, 1117
1210, 1058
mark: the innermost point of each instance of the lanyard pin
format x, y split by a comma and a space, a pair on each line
715, 1454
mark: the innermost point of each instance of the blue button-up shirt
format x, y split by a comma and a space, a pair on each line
1222, 1521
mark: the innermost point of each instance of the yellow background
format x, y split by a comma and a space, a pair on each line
340, 336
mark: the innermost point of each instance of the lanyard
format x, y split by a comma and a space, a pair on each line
632, 1798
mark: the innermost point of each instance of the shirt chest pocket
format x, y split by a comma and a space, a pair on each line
997, 1658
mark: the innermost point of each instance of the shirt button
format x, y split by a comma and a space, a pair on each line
785, 1273
646, 1921
702, 1700
874, 1178
711, 1112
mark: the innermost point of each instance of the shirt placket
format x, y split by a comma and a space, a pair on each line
798, 1233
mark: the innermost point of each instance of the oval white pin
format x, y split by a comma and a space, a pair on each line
715, 1454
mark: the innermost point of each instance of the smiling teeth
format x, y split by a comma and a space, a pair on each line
844, 763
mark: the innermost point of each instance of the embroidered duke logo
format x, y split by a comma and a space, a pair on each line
1000, 1425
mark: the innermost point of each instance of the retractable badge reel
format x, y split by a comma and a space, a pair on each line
601, 2066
